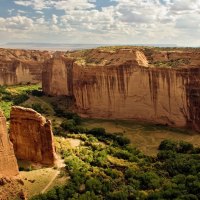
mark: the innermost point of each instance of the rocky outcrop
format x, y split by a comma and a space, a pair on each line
8, 162
32, 136
21, 66
11, 188
154, 85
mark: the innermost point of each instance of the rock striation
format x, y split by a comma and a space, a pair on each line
21, 66
155, 85
8, 162
31, 135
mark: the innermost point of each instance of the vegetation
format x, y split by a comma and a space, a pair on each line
172, 63
14, 95
107, 166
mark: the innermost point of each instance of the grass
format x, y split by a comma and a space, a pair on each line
13, 91
145, 137
39, 100
35, 181
19, 89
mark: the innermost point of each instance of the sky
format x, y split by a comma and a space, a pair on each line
101, 21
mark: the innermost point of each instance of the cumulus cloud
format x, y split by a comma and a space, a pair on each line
130, 21
54, 19
58, 4
16, 22
36, 4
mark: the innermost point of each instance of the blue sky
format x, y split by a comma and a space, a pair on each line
101, 21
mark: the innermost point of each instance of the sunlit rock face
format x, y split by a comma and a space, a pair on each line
21, 66
8, 162
151, 85
31, 135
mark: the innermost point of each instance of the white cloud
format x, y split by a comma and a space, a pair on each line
72, 5
36, 4
54, 19
126, 21
58, 4
16, 22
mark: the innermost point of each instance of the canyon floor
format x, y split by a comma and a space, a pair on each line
146, 137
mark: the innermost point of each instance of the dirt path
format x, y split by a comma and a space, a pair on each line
60, 164
49, 184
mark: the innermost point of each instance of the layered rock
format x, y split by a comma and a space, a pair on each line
8, 162
159, 86
32, 136
21, 66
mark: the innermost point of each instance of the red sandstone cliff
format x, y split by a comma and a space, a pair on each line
130, 83
32, 136
8, 162
21, 66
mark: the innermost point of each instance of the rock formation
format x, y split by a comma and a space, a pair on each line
32, 136
8, 162
146, 84
12, 189
56, 67
21, 66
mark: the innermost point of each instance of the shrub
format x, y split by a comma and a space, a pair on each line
118, 195
37, 107
122, 154
168, 145
164, 155
97, 131
93, 185
185, 147
21, 98
149, 180
68, 124
37, 93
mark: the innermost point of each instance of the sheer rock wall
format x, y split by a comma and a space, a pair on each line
8, 162
32, 136
151, 85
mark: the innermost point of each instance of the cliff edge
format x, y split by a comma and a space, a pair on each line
146, 84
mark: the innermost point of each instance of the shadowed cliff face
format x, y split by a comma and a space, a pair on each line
193, 98
141, 84
57, 72
20, 66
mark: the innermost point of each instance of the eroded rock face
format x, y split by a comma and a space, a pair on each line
157, 86
8, 162
32, 136
58, 66
21, 66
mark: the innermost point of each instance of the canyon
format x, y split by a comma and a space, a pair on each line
115, 82
32, 137
21, 66
161, 86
